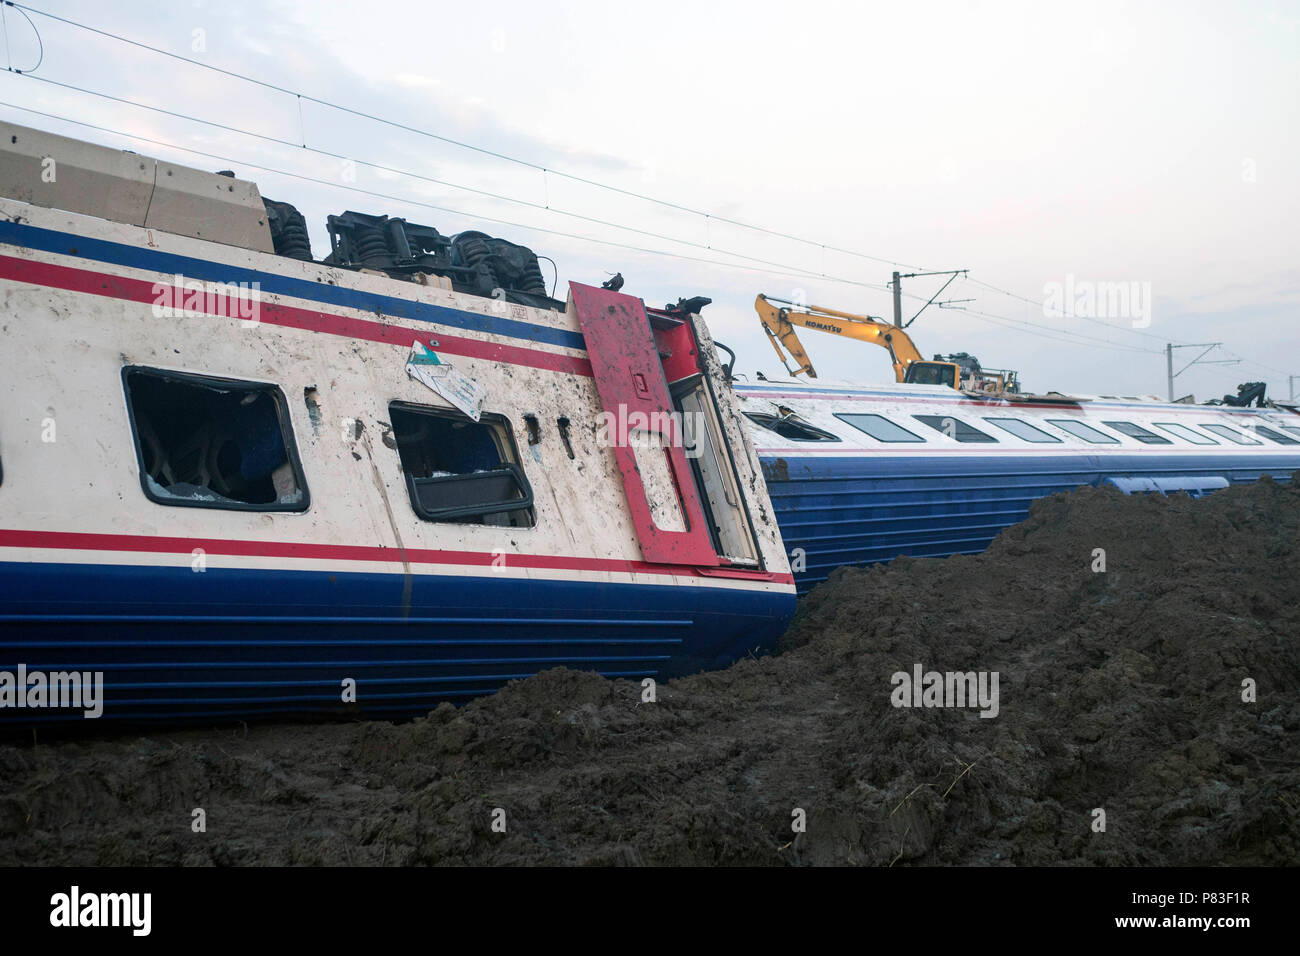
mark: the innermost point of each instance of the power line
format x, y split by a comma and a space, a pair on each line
787, 270
1031, 329
441, 182
445, 139
1086, 318
780, 270
1120, 328
787, 273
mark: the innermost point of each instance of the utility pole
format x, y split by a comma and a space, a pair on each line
897, 287
1169, 360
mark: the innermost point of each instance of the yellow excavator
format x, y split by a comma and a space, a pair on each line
960, 371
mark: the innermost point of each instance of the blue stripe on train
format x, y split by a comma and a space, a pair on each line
235, 643
167, 263
865, 510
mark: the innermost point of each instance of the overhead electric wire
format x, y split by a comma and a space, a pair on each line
1030, 328
786, 269
441, 182
789, 271
1086, 318
1169, 339
454, 142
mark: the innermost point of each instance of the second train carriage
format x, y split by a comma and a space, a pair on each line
860, 474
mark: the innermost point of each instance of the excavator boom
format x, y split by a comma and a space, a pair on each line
779, 318
960, 371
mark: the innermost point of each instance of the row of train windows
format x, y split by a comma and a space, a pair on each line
883, 429
206, 442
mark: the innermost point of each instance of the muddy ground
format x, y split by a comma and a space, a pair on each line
1119, 691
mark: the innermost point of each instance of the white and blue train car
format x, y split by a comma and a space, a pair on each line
235, 482
861, 474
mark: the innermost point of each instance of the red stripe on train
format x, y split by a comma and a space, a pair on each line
87, 541
286, 316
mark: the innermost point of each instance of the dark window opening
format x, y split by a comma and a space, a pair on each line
1024, 430
208, 442
879, 428
1086, 432
1290, 428
461, 471
954, 428
790, 426
1141, 434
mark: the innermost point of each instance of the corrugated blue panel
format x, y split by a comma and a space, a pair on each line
229, 643
863, 510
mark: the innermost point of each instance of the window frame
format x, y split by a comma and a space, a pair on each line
984, 439
1064, 423
1273, 435
1213, 426
1048, 437
1170, 426
283, 416
1147, 436
914, 440
449, 515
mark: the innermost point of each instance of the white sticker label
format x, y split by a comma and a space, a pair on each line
426, 367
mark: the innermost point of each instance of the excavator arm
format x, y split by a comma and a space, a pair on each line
779, 322
781, 333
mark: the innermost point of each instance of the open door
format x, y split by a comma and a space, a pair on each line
648, 443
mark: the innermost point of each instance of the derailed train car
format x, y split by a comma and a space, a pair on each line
237, 481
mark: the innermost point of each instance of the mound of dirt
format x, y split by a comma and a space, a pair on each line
1125, 732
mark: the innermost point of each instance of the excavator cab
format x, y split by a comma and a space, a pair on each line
934, 373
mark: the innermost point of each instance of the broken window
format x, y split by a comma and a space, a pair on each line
208, 442
791, 426
459, 470
213, 442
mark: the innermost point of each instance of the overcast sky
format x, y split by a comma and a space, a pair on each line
1031, 143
